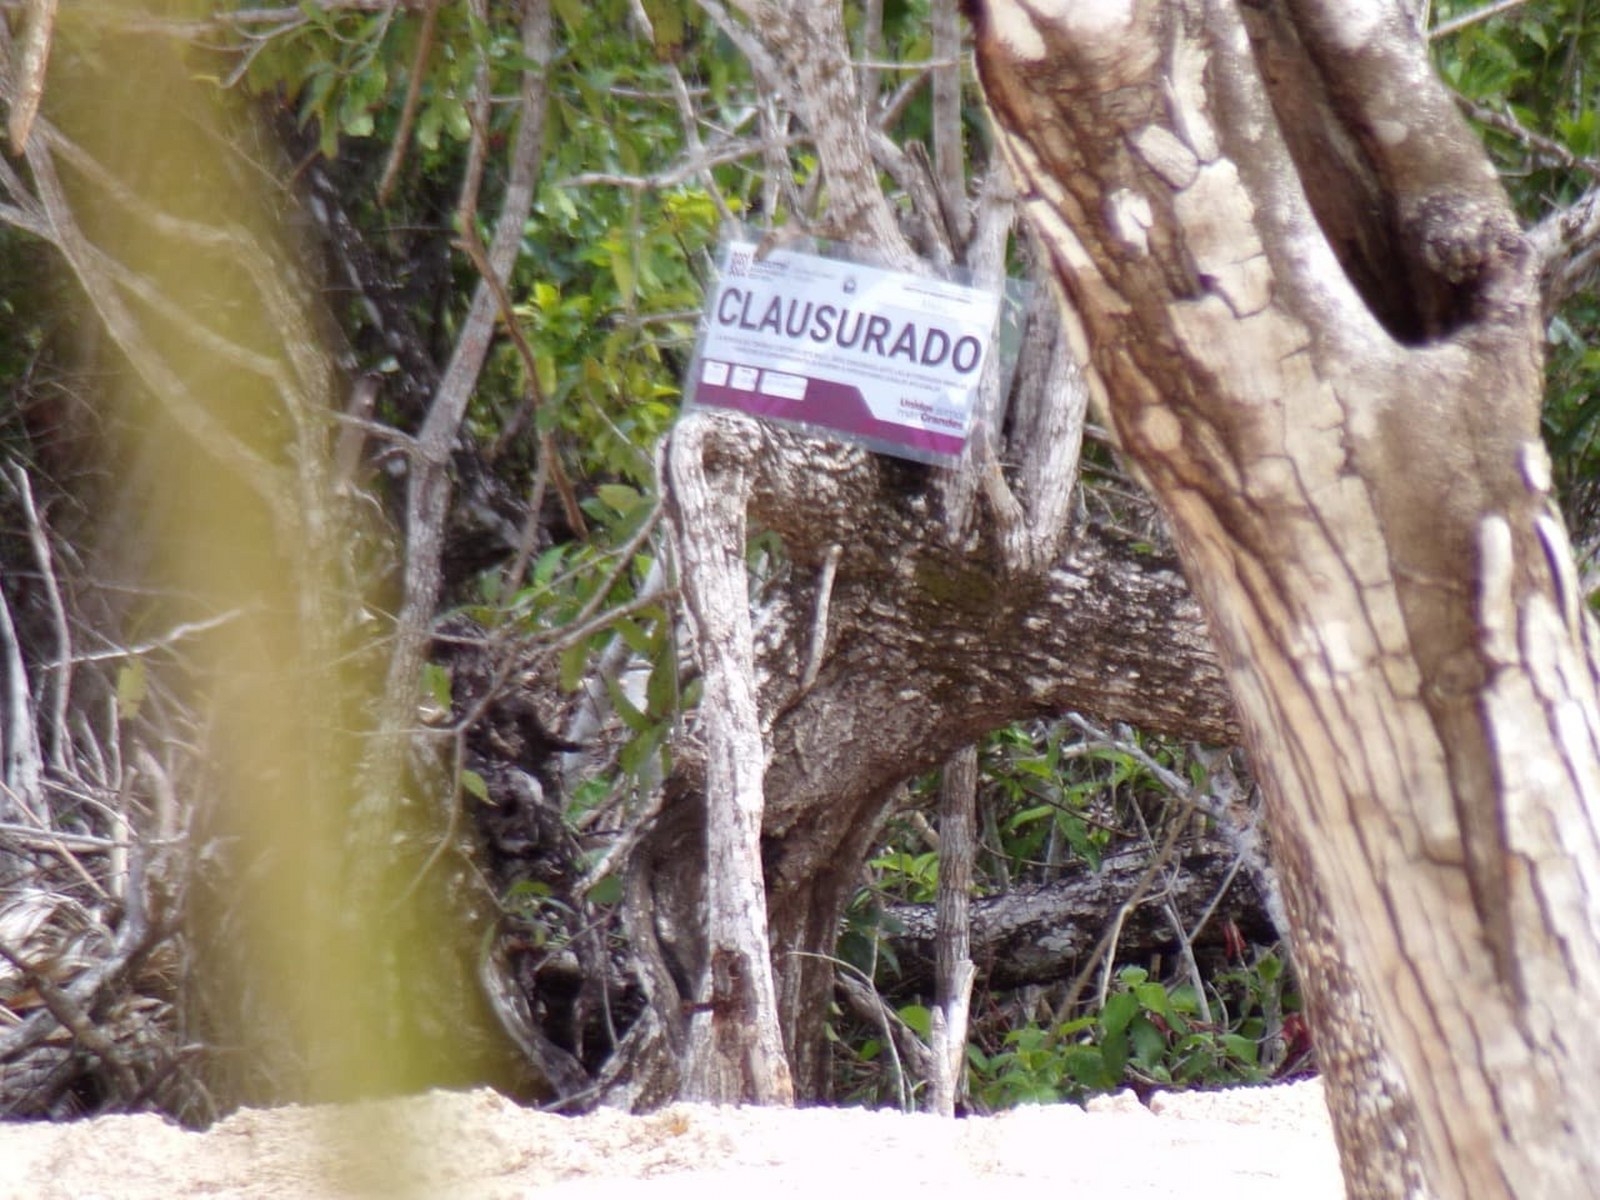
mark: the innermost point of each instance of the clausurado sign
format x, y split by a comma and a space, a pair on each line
887, 359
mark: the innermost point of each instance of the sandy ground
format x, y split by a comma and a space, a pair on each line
1244, 1145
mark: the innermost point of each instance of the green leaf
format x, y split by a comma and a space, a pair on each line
436, 684
1149, 1043
1242, 1048
574, 665
1029, 816
661, 693
1121, 1007
473, 783
1086, 1065
547, 564
607, 890
640, 752
429, 125
1114, 1052
622, 270
919, 1019
1153, 998
618, 497
457, 122
573, 13
637, 638
549, 375
630, 714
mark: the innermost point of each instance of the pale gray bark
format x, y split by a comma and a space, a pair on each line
954, 972
735, 1048
1315, 325
1043, 934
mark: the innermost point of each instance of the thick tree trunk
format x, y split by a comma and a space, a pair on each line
933, 640
1314, 322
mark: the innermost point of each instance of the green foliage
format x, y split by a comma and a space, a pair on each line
1147, 1035
343, 68
1056, 802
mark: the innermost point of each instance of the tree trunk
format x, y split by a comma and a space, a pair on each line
958, 804
735, 1049
932, 639
1314, 322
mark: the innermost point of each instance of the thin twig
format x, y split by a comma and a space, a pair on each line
74, 1019
176, 634
1456, 24
61, 686
49, 839
408, 110
38, 28
1538, 142
1185, 940
470, 243
23, 769
478, 124
857, 985
819, 625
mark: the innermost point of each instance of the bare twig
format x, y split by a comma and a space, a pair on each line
1185, 938
72, 1017
190, 413
61, 685
133, 939
949, 156
473, 247
621, 846
174, 635
689, 167
49, 839
39, 25
22, 769
408, 110
858, 989
819, 624
687, 115
1568, 247
1545, 146
478, 121
1456, 24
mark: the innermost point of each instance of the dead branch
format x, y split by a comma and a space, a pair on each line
408, 110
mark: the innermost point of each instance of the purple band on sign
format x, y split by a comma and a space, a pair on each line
837, 407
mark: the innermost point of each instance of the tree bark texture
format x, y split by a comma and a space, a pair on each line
735, 1049
1046, 933
958, 804
1314, 323
931, 642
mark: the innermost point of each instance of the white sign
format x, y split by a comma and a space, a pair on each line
889, 359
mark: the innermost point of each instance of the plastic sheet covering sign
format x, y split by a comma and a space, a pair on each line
883, 358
